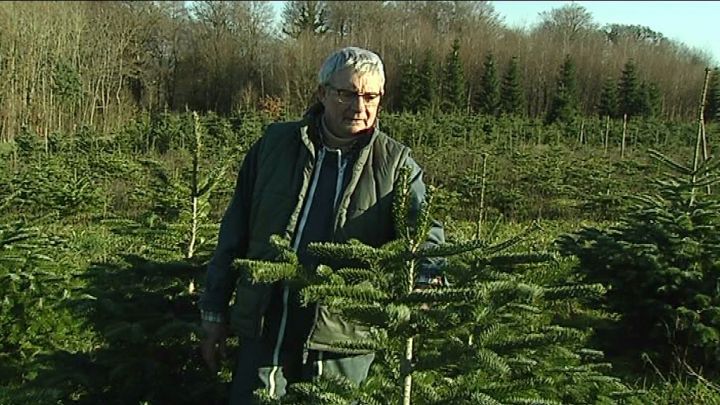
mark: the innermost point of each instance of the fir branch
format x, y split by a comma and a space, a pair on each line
356, 275
524, 308
670, 163
489, 360
326, 389
397, 314
286, 254
574, 291
280, 242
421, 323
507, 290
12, 233
442, 295
531, 401
267, 272
706, 181
401, 203
449, 249
562, 333
490, 334
303, 390
478, 245
361, 293
368, 314
516, 259
424, 387
327, 398
330, 277
525, 341
513, 386
353, 251
482, 398
424, 220
591, 354
491, 274
360, 345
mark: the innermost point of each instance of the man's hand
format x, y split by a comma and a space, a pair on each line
212, 345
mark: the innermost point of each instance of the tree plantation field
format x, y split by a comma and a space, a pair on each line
604, 298
572, 166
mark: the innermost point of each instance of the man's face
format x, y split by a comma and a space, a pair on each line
351, 101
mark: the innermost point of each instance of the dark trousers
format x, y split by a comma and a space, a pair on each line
256, 369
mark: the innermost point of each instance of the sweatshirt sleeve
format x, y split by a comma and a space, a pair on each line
429, 269
232, 241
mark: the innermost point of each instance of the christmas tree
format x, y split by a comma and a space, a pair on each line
492, 335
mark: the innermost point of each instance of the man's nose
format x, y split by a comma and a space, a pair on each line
357, 103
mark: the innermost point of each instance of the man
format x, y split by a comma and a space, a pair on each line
327, 177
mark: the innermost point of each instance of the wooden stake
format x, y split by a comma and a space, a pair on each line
624, 134
194, 188
607, 133
478, 232
700, 136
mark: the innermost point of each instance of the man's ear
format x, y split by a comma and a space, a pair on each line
320, 94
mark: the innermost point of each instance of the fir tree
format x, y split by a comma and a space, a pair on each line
655, 99
410, 86
629, 91
487, 100
564, 102
304, 17
607, 106
659, 264
453, 94
648, 99
512, 93
485, 339
188, 196
427, 98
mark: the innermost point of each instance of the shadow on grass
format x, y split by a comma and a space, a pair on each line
147, 325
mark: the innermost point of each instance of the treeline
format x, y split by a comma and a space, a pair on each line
99, 63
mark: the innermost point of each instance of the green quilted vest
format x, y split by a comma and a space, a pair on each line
286, 158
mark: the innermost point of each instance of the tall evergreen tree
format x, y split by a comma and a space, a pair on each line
629, 90
306, 16
427, 74
607, 106
648, 99
453, 95
511, 95
564, 102
410, 86
655, 99
487, 99
712, 100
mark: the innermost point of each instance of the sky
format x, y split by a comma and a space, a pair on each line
694, 23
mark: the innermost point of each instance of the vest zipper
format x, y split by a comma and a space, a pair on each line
340, 179
338, 190
286, 291
309, 198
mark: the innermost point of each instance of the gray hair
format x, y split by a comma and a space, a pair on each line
358, 59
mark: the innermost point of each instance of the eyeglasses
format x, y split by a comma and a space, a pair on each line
348, 96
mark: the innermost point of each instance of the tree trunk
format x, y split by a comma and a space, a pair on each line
407, 382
